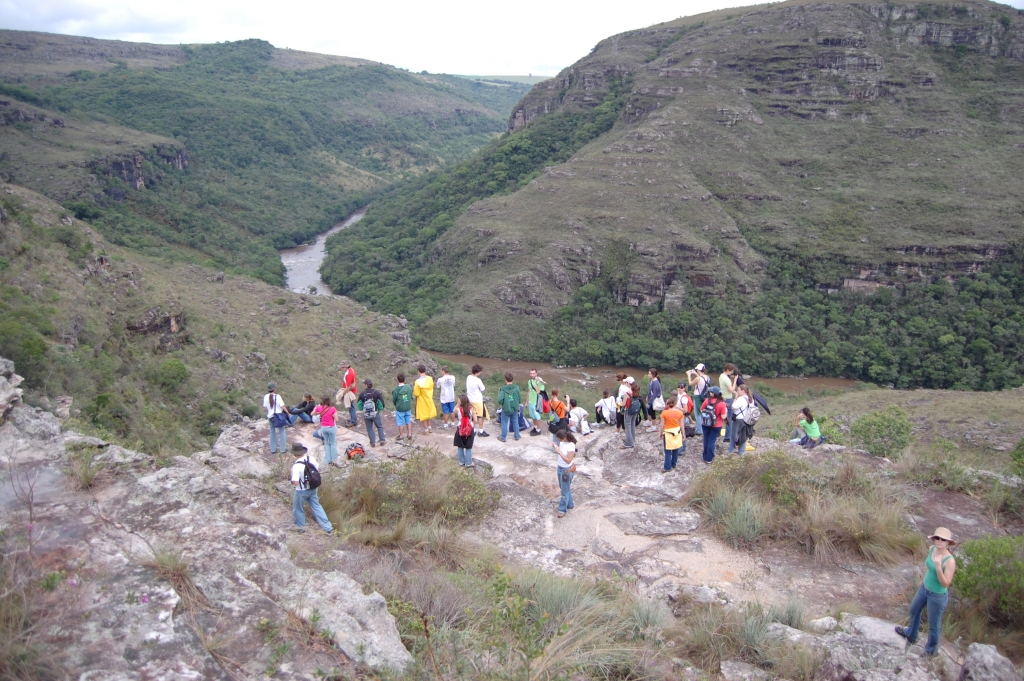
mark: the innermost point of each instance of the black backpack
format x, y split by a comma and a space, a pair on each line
312, 475
707, 415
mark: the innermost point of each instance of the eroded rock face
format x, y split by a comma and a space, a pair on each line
985, 662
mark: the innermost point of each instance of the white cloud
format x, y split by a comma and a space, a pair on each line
450, 36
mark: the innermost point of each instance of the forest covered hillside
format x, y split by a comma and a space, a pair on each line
220, 154
805, 187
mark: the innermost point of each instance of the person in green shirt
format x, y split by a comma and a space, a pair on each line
811, 430
508, 401
534, 386
401, 397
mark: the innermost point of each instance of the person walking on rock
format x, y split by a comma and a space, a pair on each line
940, 566
475, 393
328, 431
401, 397
303, 496
712, 415
465, 433
278, 418
508, 401
565, 448
346, 397
446, 395
671, 429
533, 389
423, 391
371, 402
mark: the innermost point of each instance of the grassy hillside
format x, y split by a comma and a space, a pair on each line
767, 167
278, 145
103, 333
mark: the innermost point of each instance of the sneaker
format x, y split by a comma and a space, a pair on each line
484, 433
300, 530
398, 439
445, 426
535, 432
750, 448
500, 440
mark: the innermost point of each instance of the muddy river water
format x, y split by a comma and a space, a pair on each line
303, 267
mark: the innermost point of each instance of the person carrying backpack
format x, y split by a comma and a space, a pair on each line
699, 380
423, 391
633, 405
508, 401
712, 415
743, 422
401, 397
465, 432
306, 479
559, 415
371, 403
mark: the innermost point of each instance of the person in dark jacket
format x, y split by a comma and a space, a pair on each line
370, 403
304, 411
655, 400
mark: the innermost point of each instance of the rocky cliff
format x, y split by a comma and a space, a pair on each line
880, 142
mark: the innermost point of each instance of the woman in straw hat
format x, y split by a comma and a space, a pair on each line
940, 566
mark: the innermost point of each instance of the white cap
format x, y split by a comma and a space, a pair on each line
629, 379
700, 367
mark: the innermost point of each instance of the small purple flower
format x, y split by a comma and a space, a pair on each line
74, 581
30, 526
145, 598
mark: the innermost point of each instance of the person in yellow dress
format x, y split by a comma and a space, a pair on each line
423, 391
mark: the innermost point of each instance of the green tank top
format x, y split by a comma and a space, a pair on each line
931, 580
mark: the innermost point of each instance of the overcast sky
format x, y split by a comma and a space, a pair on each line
441, 36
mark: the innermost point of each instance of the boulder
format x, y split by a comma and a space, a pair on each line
847, 653
741, 671
656, 522
984, 663
872, 629
823, 625
34, 423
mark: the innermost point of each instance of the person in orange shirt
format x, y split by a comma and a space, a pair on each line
672, 430
558, 417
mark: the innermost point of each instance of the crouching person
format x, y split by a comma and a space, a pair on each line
305, 479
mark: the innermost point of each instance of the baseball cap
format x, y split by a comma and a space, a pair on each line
700, 367
715, 390
271, 386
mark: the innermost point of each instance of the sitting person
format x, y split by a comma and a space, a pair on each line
304, 411
808, 431
578, 419
605, 409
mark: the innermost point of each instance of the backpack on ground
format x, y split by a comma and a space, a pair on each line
465, 424
354, 451
707, 415
311, 474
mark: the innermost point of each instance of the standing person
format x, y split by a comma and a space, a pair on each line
565, 448
671, 429
712, 415
278, 418
655, 400
698, 380
621, 397
446, 395
465, 433
810, 428
741, 407
940, 566
328, 431
346, 397
304, 495
684, 403
475, 393
533, 388
401, 397
558, 415
304, 411
578, 419
633, 404
605, 409
508, 401
728, 387
371, 402
423, 391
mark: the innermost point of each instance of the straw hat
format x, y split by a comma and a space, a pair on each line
943, 533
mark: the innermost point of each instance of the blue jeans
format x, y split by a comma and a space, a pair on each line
565, 503
505, 418
936, 606
630, 430
672, 457
696, 415
277, 439
329, 434
309, 496
352, 420
370, 423
710, 438
728, 425
302, 416
465, 456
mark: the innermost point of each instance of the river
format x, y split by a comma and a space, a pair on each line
302, 263
303, 267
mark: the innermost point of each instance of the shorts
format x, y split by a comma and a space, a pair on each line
534, 414
478, 409
447, 407
403, 418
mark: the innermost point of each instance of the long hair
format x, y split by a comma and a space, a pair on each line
806, 411
325, 401
464, 404
635, 392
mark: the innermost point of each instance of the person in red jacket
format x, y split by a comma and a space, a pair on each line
712, 415
347, 395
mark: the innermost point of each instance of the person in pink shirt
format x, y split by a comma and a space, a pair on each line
328, 431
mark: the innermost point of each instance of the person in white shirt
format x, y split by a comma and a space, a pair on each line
273, 404
446, 388
741, 406
578, 419
566, 451
304, 495
475, 393
605, 408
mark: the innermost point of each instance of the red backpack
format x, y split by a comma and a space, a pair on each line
465, 424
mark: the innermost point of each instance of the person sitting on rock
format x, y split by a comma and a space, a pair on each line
304, 411
578, 419
808, 431
605, 409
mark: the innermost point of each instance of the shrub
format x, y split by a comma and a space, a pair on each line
172, 373
1017, 458
26, 348
883, 433
990, 575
